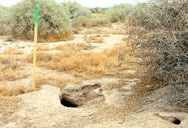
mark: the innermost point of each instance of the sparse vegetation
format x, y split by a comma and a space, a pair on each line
120, 56
98, 30
94, 39
43, 48
79, 62
11, 69
7, 90
53, 80
13, 51
56, 20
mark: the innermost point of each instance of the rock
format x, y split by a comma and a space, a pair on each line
78, 95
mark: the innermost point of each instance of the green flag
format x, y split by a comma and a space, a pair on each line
36, 16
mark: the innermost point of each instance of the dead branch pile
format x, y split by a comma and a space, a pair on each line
160, 32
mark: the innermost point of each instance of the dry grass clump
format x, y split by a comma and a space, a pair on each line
72, 46
91, 30
43, 48
6, 59
8, 100
105, 31
7, 90
79, 63
87, 40
82, 45
117, 31
53, 80
10, 73
56, 38
94, 39
124, 38
11, 69
7, 106
13, 51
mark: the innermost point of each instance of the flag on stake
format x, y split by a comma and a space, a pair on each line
35, 46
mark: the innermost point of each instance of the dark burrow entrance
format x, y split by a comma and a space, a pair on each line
176, 121
68, 103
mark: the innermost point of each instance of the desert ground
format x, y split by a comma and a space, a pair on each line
76, 90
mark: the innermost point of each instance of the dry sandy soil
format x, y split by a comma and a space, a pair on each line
102, 102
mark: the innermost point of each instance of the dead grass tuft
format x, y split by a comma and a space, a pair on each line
43, 48
53, 80
8, 100
83, 64
13, 51
11, 68
68, 47
7, 90
7, 106
124, 39
105, 31
94, 38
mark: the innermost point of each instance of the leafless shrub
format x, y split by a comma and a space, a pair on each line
159, 32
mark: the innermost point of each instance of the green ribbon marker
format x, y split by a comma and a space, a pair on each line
36, 16
35, 47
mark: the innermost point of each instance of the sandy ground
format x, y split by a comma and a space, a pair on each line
103, 107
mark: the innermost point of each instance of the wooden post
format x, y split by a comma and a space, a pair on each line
35, 47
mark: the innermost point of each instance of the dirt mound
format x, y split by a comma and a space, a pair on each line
78, 96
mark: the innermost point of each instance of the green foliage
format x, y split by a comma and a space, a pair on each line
54, 24
3, 18
80, 16
100, 21
119, 13
98, 10
140, 12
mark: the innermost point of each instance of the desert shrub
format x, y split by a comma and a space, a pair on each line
1, 20
160, 35
82, 21
4, 14
140, 12
98, 10
119, 13
54, 24
80, 16
100, 21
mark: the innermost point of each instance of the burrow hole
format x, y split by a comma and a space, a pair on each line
176, 121
67, 103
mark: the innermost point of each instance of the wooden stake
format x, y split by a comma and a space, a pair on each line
35, 47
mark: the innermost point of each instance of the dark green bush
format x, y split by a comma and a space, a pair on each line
54, 24
160, 33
